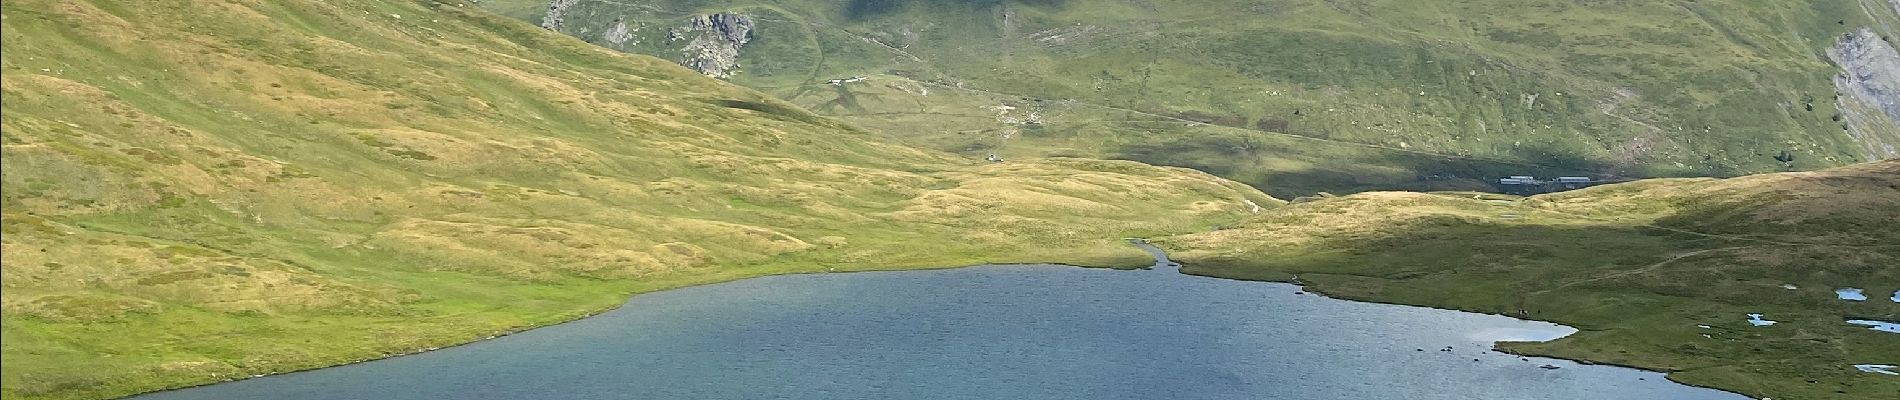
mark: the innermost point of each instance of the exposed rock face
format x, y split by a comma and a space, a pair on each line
1869, 87
556, 10
713, 42
619, 34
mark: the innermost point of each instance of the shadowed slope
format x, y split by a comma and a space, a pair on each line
1637, 266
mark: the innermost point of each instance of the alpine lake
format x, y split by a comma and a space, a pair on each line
987, 332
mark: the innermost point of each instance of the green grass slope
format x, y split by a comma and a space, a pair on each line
1637, 267
1298, 96
199, 191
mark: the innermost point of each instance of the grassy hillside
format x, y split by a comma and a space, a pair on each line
1636, 266
198, 191
1298, 96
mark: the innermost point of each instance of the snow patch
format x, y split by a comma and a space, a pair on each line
1878, 369
1883, 326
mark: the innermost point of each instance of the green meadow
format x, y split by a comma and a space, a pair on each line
203, 191
1638, 267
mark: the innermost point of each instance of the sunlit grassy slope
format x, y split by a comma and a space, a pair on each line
204, 190
1401, 94
1635, 266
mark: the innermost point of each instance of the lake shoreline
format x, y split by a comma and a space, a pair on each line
603, 310
1667, 374
1160, 256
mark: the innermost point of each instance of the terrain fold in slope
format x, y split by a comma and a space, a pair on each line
198, 191
1658, 273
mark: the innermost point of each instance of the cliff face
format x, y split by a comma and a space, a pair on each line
1869, 92
557, 9
713, 42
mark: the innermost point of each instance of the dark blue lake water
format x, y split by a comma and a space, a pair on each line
991, 332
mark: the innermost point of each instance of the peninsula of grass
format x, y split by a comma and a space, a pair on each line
1657, 274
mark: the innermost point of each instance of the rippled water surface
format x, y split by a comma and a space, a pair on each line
992, 332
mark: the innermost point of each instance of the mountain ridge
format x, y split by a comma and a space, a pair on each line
1482, 90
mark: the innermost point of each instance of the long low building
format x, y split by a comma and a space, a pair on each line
1528, 185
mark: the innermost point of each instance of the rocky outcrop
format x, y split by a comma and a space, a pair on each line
710, 42
556, 10
619, 34
1869, 87
713, 42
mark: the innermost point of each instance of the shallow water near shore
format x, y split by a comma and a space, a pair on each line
987, 332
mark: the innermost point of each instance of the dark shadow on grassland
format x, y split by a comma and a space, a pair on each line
1638, 293
1852, 206
778, 110
1288, 167
1598, 279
